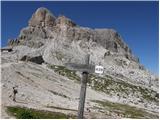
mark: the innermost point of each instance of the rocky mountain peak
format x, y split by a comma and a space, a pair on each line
45, 28
42, 17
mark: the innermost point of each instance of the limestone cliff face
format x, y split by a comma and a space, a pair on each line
44, 27
42, 17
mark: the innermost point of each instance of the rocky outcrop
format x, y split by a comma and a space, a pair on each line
43, 25
36, 59
35, 33
42, 17
62, 20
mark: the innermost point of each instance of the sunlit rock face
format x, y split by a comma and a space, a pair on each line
42, 17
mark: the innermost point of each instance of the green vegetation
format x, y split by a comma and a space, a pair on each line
118, 87
26, 113
147, 94
109, 85
124, 110
71, 74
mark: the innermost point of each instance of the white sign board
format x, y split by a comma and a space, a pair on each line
99, 69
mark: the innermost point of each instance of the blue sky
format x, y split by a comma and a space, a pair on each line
136, 22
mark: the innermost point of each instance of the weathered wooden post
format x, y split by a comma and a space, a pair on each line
83, 90
85, 69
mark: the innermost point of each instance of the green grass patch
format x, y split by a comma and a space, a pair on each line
107, 84
62, 70
117, 87
27, 113
125, 110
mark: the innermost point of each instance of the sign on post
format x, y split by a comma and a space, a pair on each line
99, 69
85, 68
81, 67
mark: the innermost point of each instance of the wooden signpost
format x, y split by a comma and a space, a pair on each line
85, 69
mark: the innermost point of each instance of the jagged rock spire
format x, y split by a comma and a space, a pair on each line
42, 17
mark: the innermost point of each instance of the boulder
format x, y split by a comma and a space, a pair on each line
36, 59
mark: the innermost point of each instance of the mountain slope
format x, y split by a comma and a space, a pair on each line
37, 66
